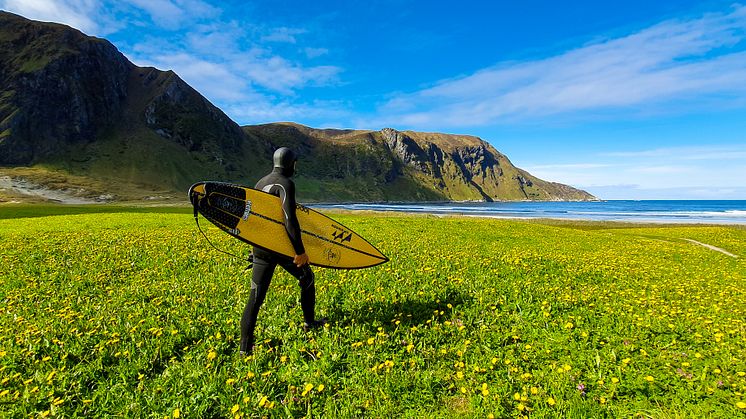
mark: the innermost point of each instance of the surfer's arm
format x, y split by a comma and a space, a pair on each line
291, 220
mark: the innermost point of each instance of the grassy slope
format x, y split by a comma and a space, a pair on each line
492, 316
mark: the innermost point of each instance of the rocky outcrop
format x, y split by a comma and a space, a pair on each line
58, 87
61, 88
432, 166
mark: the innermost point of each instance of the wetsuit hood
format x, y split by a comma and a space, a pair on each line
284, 159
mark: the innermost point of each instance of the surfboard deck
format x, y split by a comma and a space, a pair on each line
256, 217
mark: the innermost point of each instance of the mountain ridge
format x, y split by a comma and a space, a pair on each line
75, 109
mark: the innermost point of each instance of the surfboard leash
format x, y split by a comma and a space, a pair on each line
249, 259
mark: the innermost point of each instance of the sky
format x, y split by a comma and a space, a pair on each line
627, 100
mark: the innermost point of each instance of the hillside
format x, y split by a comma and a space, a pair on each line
78, 118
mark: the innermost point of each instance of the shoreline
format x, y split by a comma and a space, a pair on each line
637, 222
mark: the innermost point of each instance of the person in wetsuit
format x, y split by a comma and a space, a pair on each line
278, 183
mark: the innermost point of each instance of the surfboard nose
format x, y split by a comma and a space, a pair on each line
196, 192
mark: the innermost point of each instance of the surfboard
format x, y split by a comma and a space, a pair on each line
256, 217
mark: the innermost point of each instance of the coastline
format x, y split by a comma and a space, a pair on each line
631, 212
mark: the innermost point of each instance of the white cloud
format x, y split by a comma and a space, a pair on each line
80, 14
687, 153
315, 52
263, 109
177, 13
677, 59
683, 172
286, 35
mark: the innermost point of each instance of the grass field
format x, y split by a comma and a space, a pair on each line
132, 314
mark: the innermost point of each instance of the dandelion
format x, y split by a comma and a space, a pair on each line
649, 378
176, 413
307, 389
235, 408
211, 355
741, 405
551, 401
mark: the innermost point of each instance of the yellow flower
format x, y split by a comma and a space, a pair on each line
320, 388
211, 355
459, 374
176, 413
235, 408
614, 380
649, 378
741, 405
307, 389
551, 401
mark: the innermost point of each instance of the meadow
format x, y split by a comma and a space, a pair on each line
133, 314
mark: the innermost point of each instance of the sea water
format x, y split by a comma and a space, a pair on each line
712, 212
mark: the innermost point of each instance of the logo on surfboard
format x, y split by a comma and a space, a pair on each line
331, 255
341, 235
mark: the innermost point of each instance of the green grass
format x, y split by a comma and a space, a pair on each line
132, 314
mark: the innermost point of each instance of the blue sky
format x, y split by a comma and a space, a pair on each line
636, 100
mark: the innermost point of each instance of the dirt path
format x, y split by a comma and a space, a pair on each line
23, 187
711, 247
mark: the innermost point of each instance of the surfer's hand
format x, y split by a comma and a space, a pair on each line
300, 260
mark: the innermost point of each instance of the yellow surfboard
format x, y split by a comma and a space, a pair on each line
256, 217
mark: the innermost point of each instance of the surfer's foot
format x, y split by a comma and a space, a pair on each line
316, 324
246, 352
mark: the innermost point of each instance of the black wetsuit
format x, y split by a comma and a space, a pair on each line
278, 183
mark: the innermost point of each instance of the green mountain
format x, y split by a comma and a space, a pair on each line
78, 118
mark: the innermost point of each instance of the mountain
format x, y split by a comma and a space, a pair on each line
76, 116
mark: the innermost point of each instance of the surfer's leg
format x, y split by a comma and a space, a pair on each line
305, 278
260, 280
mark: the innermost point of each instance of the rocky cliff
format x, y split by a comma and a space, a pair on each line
74, 109
406, 165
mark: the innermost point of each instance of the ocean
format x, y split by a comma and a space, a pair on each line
710, 212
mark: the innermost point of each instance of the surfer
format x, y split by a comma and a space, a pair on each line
278, 183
